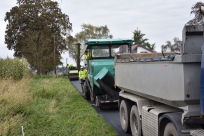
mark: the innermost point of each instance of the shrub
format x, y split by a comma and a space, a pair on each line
14, 68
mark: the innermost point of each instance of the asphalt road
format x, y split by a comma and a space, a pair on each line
111, 116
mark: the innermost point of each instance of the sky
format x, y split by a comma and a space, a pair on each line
159, 20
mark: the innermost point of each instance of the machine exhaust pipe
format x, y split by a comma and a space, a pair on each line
202, 74
202, 84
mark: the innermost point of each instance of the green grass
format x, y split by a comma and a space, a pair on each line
48, 107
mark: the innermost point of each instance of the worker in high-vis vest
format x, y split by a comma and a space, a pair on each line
70, 65
88, 55
82, 74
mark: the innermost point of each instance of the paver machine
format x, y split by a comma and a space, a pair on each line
100, 86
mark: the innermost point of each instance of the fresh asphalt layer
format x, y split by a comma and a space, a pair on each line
111, 116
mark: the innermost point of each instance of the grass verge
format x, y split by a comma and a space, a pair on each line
47, 107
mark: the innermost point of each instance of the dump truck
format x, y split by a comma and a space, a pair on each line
100, 81
162, 94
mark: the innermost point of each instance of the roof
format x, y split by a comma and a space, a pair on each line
139, 45
118, 41
98, 43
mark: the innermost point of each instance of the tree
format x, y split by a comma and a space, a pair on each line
72, 47
172, 47
36, 30
138, 39
88, 32
195, 9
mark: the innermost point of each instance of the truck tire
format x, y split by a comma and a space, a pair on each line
135, 122
97, 101
170, 130
85, 92
125, 115
87, 95
92, 96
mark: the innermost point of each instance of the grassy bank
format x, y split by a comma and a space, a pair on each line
47, 107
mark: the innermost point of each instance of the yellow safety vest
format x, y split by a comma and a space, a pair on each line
82, 73
88, 56
70, 65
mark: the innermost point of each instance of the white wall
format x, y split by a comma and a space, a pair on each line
140, 49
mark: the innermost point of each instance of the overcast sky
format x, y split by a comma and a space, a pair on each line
160, 20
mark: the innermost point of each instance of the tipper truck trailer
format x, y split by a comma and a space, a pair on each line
162, 93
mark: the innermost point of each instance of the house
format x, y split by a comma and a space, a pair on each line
140, 49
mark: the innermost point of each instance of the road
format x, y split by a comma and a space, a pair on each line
111, 116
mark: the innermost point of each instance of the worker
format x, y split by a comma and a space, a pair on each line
88, 55
82, 74
70, 65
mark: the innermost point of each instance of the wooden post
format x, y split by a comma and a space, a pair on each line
78, 56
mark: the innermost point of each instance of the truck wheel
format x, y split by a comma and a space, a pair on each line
97, 101
87, 95
92, 96
170, 130
85, 92
125, 115
135, 123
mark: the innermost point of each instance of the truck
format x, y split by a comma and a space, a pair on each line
99, 85
162, 94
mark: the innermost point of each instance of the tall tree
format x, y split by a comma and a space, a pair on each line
88, 32
195, 9
36, 30
138, 37
173, 46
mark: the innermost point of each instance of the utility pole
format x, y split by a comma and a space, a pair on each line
66, 66
54, 58
78, 56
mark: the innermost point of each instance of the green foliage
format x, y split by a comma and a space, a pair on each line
44, 93
52, 107
198, 18
173, 46
138, 39
36, 31
14, 68
88, 32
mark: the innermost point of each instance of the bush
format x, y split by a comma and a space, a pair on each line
14, 69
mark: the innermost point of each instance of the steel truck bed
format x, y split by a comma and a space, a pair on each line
172, 79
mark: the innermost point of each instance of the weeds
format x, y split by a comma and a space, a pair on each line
14, 69
47, 106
